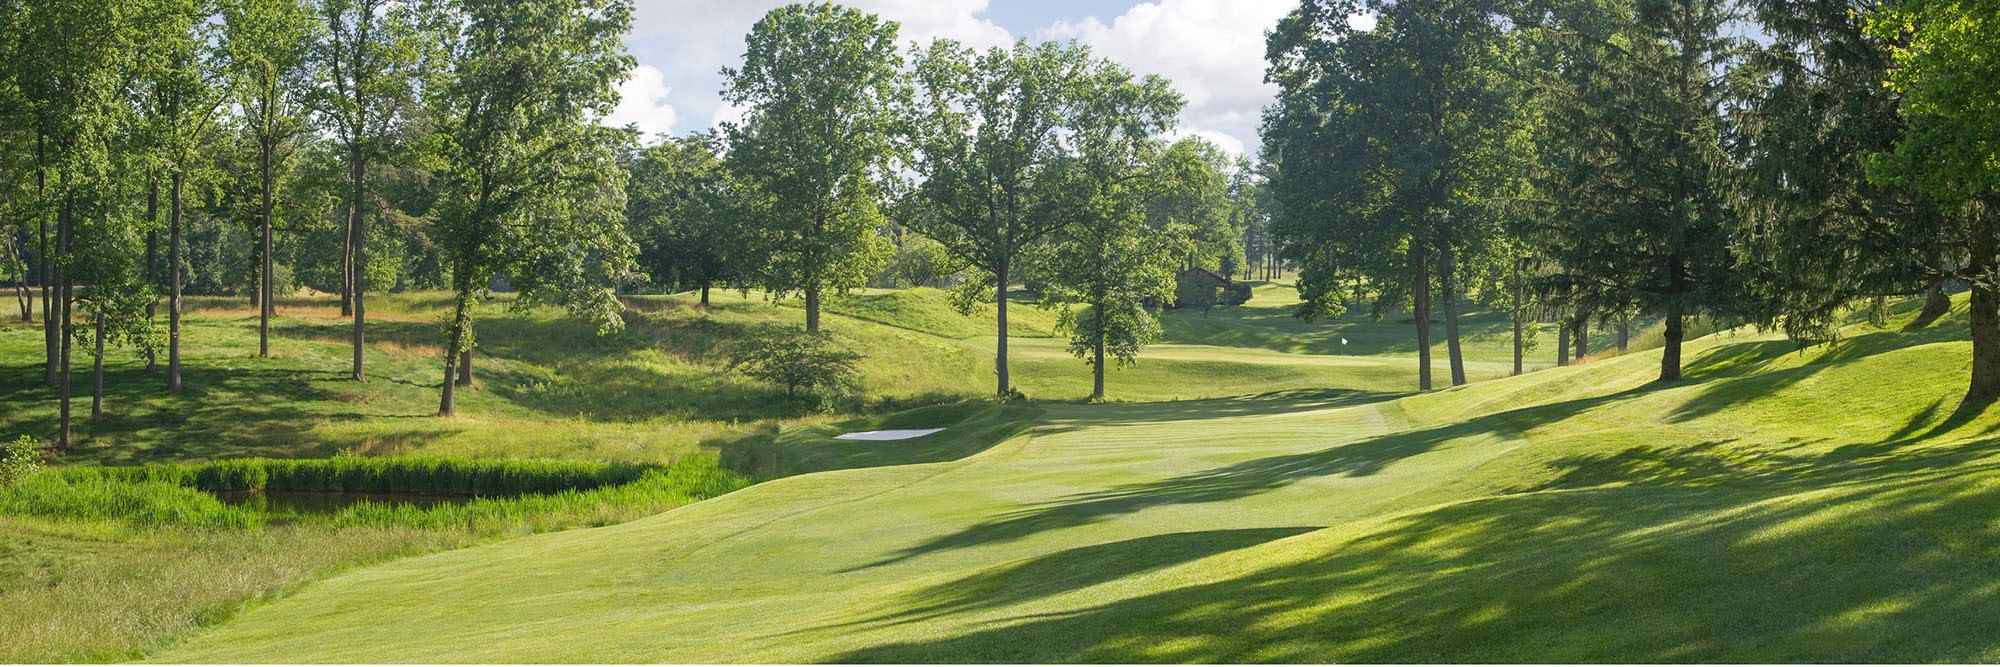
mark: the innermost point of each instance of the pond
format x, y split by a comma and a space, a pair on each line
317, 503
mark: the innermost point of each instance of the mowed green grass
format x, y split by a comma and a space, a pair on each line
1824, 505
549, 387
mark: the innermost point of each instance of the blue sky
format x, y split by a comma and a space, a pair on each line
1211, 49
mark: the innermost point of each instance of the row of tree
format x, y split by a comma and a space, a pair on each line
1606, 158
479, 114
356, 145
1035, 164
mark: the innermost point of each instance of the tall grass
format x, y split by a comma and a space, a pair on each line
148, 503
425, 474
513, 496
105, 564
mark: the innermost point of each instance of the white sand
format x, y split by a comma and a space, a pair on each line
891, 434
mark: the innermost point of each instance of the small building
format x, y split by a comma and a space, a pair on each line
1200, 276
1205, 275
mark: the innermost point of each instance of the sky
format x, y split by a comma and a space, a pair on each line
1212, 50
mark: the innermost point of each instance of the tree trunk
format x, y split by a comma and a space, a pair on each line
465, 366
1936, 305
97, 371
21, 296
152, 255
1582, 336
1624, 333
1670, 360
347, 262
812, 307
1000, 300
1097, 358
446, 406
46, 269
704, 296
264, 309
1562, 344
174, 289
1985, 323
1516, 275
358, 246
1422, 314
1449, 280
63, 226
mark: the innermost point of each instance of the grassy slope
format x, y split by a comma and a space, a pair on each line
1774, 506
657, 391
549, 387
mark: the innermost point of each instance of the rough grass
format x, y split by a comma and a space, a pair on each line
550, 387
1778, 505
513, 497
106, 563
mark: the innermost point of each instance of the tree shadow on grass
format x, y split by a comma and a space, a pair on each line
1903, 574
1269, 403
1738, 371
1221, 484
1068, 570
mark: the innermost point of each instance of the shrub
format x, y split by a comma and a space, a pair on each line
19, 459
801, 361
1236, 294
1193, 290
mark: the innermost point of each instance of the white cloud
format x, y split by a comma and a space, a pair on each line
728, 113
1225, 141
641, 102
1212, 50
925, 20
690, 41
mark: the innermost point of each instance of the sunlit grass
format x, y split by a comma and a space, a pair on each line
1777, 505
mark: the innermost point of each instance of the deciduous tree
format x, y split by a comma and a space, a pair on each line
819, 86
530, 185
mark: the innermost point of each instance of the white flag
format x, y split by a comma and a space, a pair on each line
1343, 340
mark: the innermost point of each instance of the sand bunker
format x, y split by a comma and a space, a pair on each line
890, 434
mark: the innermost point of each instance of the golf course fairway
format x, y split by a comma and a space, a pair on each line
1777, 505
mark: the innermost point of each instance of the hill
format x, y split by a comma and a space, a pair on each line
656, 393
1824, 505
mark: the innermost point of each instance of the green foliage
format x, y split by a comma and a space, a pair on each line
1236, 294
1636, 171
1192, 290
510, 492
800, 360
1109, 257
1947, 73
531, 187
1119, 328
1193, 198
919, 262
1388, 146
1818, 233
689, 215
818, 82
19, 458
